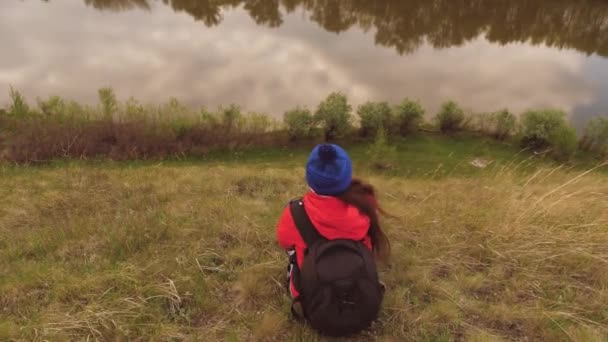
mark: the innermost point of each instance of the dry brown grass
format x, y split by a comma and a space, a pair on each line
41, 140
188, 253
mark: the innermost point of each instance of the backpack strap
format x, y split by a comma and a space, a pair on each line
307, 230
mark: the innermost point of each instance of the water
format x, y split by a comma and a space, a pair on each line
270, 55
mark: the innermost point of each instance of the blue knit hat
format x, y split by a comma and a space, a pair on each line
329, 170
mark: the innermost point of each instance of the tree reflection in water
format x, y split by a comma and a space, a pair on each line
405, 25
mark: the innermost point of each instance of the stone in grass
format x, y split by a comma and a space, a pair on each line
480, 163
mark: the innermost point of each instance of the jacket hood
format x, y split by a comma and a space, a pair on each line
335, 219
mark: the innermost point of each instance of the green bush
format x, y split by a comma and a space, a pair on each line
503, 124
231, 117
450, 117
374, 116
4, 120
74, 109
334, 115
548, 129
174, 109
257, 123
564, 142
53, 106
299, 123
63, 111
108, 102
19, 107
381, 154
209, 119
596, 137
408, 116
133, 110
482, 122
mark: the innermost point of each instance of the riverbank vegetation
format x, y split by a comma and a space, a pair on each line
56, 128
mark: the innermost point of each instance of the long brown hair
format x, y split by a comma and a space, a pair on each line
363, 197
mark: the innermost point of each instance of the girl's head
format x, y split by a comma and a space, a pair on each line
329, 173
329, 170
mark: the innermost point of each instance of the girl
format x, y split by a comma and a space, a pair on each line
338, 206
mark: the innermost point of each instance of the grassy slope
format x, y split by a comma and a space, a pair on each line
185, 250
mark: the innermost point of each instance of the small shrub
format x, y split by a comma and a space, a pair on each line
53, 106
133, 110
450, 117
381, 154
374, 116
5, 122
74, 109
548, 128
179, 126
19, 107
541, 124
108, 102
209, 119
299, 122
408, 116
257, 123
173, 109
230, 117
334, 115
482, 122
564, 142
503, 124
596, 137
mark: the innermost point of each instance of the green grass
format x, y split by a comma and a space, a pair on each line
184, 250
420, 156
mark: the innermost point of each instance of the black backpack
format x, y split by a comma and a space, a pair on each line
339, 288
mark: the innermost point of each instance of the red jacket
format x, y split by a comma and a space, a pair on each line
333, 219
